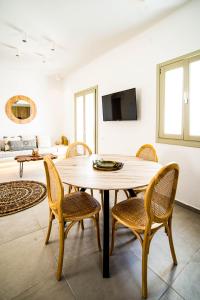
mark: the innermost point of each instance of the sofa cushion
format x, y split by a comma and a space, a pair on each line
15, 145
2, 145
28, 137
11, 138
8, 139
29, 144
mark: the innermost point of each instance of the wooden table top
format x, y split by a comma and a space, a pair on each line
78, 171
23, 158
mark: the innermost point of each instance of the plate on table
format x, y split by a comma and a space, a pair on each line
107, 165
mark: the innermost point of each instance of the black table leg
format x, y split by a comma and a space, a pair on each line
132, 193
21, 169
106, 232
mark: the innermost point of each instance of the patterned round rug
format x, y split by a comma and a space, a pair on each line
19, 195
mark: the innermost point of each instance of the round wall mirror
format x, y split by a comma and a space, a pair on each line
20, 109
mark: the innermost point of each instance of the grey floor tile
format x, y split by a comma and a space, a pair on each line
84, 274
188, 282
32, 171
41, 213
48, 289
170, 294
24, 262
186, 226
16, 225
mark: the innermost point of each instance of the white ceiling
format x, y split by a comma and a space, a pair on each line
80, 30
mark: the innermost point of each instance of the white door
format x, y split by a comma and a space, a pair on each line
86, 118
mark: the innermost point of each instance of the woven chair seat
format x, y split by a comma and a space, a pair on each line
131, 213
79, 205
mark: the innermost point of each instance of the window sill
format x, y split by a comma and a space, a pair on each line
195, 144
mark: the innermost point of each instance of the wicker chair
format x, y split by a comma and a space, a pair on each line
78, 149
146, 216
146, 152
70, 208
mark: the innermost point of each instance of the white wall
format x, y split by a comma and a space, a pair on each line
47, 95
133, 64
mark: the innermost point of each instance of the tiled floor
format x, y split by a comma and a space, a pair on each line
27, 266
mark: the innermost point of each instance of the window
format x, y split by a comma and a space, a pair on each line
178, 106
85, 108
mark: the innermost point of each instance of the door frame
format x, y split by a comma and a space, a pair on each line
83, 93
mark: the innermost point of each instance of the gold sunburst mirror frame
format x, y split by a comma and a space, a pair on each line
21, 109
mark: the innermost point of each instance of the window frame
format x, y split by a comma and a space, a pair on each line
94, 90
185, 139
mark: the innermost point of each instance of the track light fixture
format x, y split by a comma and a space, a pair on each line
53, 48
24, 39
17, 53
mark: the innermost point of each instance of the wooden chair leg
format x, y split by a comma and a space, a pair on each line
91, 192
102, 200
166, 231
171, 244
116, 192
61, 250
49, 226
145, 250
82, 224
126, 193
113, 236
69, 189
98, 231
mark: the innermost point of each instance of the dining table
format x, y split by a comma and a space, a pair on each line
78, 171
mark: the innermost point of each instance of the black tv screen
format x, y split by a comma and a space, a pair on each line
120, 106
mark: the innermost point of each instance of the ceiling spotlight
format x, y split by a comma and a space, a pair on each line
53, 48
17, 54
24, 39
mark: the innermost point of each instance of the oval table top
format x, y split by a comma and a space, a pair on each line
78, 171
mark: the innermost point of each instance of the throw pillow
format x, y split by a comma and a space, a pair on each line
2, 145
7, 139
29, 144
28, 137
15, 145
7, 147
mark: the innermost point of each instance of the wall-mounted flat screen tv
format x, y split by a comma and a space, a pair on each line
120, 106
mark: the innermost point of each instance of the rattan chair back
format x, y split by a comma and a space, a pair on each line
160, 194
55, 188
147, 152
78, 148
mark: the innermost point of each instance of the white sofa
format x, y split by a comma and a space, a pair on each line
43, 143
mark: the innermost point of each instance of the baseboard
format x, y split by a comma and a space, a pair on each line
196, 210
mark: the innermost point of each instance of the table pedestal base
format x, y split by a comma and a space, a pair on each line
106, 235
